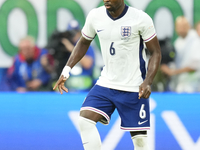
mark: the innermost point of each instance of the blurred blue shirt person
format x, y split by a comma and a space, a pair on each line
31, 68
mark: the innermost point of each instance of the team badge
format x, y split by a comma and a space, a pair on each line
126, 31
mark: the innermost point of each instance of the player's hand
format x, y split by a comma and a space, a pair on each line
60, 84
144, 90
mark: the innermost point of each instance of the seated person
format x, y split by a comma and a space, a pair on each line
31, 69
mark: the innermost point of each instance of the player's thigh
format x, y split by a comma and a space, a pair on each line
98, 104
91, 115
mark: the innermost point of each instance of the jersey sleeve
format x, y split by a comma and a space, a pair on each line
146, 28
88, 30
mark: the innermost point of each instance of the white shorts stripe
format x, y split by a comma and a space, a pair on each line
135, 129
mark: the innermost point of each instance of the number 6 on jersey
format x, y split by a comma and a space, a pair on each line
112, 49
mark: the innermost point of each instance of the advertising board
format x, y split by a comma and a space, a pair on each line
48, 121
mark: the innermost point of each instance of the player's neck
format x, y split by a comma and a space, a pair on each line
116, 13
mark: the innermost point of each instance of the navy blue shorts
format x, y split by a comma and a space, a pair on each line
134, 112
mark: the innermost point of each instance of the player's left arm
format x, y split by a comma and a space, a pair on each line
153, 65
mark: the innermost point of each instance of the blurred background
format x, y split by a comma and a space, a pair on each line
36, 40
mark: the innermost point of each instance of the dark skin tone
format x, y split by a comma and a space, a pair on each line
115, 8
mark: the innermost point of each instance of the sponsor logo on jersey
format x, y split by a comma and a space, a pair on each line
125, 31
100, 30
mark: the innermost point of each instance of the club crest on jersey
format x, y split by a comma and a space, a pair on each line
125, 31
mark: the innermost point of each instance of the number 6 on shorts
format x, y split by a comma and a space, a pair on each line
142, 112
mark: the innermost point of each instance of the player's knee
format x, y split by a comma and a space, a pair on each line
140, 141
85, 123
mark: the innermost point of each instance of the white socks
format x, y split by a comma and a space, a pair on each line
91, 139
140, 142
89, 134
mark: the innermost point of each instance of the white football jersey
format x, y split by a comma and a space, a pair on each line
122, 46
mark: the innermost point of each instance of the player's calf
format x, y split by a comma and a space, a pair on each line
89, 134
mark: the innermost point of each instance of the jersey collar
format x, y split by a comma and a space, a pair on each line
120, 16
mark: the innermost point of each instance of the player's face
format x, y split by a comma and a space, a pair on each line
113, 5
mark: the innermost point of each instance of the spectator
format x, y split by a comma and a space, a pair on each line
31, 69
184, 76
81, 78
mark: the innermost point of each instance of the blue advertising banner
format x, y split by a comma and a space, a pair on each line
48, 121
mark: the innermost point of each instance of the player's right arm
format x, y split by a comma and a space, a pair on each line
77, 54
88, 34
